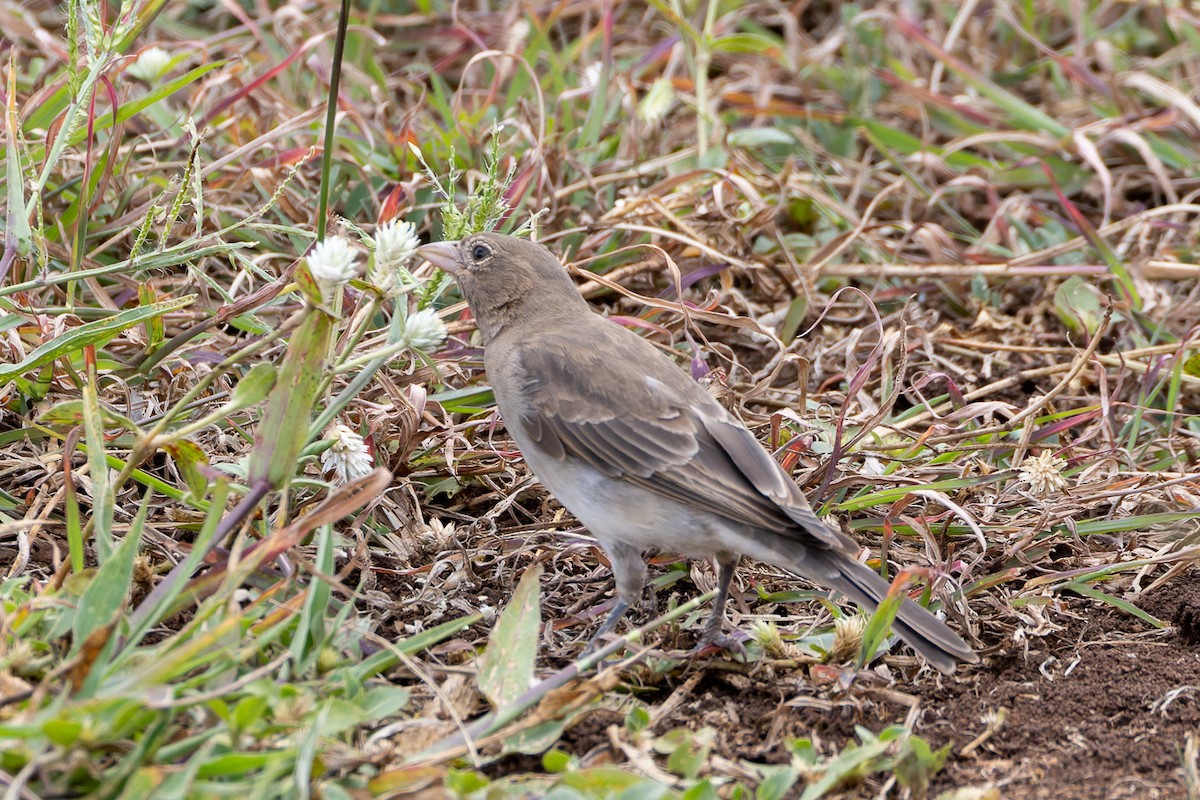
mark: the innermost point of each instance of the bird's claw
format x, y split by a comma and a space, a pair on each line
715, 642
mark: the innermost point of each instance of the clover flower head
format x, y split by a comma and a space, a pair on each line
395, 245
1043, 473
424, 330
333, 262
151, 65
348, 458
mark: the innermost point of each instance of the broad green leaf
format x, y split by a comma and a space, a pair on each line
506, 669
777, 783
93, 333
284, 429
69, 413
249, 711
1077, 303
63, 732
137, 105
253, 388
385, 701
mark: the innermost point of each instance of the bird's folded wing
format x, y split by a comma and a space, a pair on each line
765, 474
685, 448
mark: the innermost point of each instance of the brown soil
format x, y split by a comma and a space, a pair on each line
1097, 710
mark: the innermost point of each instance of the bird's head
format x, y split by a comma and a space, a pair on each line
506, 279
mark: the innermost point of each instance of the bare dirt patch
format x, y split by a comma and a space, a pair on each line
1098, 709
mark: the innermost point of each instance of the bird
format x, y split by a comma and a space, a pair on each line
641, 453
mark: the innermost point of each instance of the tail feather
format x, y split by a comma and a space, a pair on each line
921, 630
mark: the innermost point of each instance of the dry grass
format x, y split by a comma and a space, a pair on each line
941, 257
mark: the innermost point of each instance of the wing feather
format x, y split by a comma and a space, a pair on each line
663, 432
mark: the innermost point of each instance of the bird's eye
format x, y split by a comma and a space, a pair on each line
480, 251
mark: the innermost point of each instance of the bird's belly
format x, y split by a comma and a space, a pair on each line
618, 512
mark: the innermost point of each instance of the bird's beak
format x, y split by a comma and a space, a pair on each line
443, 255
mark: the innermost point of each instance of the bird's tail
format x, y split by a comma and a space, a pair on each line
924, 632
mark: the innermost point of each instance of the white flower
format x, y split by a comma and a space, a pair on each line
332, 262
424, 330
767, 634
1043, 473
395, 245
847, 637
591, 75
150, 65
347, 459
657, 102
437, 536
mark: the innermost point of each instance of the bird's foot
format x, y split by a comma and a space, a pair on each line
606, 627
649, 604
593, 645
714, 641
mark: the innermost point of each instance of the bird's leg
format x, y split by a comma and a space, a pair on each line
650, 600
630, 572
610, 622
712, 635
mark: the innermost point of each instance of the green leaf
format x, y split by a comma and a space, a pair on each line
284, 429
69, 413
1077, 303
756, 43
63, 732
637, 718
1192, 365
468, 400
16, 223
191, 461
506, 669
311, 632
385, 701
248, 711
131, 108
796, 313
93, 333
600, 781
465, 782
102, 492
704, 790
556, 760
253, 388
1116, 602
918, 763
777, 783
688, 750
880, 623
105, 595
340, 716
851, 762
385, 659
